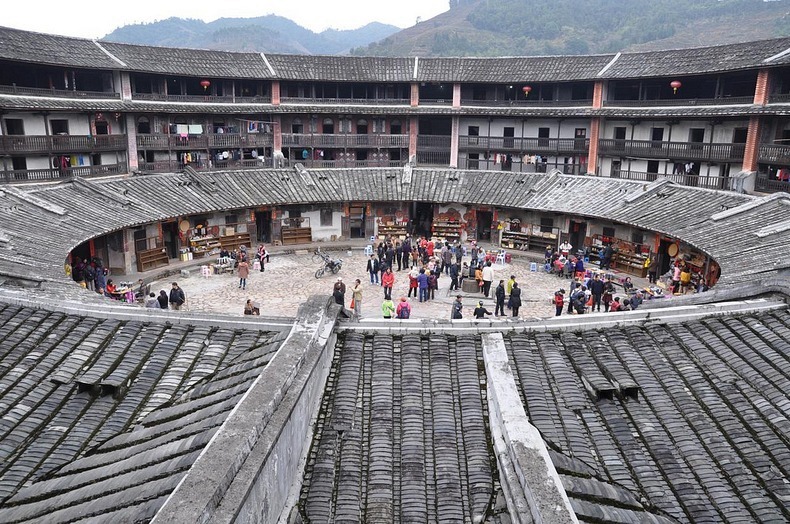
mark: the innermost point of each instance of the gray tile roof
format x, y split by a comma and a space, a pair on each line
32, 252
697, 61
101, 418
75, 52
342, 68
700, 442
189, 62
26, 46
512, 69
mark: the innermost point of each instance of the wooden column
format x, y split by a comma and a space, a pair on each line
752, 147
456, 95
275, 92
592, 154
415, 94
454, 138
761, 88
414, 127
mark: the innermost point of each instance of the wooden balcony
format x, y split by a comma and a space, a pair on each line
345, 140
672, 150
722, 101
60, 93
774, 154
528, 102
537, 146
343, 101
765, 184
686, 179
29, 175
203, 99
441, 142
25, 144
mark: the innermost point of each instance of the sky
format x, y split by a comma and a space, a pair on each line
96, 18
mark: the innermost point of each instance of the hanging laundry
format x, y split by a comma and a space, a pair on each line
182, 129
253, 127
195, 129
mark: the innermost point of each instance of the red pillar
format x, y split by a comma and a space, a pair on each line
277, 133
275, 92
751, 149
415, 94
414, 125
761, 88
592, 154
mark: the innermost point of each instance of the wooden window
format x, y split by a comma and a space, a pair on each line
326, 217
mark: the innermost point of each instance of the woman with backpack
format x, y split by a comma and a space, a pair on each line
403, 311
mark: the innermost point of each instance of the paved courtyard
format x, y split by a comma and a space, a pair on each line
288, 280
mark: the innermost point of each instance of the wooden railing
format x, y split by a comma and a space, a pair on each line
209, 99
10, 144
774, 154
686, 179
60, 93
342, 101
529, 102
727, 100
28, 175
527, 145
770, 185
672, 150
433, 142
344, 140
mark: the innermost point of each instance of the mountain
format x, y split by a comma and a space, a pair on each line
271, 34
554, 27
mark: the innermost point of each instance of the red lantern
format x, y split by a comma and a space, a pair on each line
526, 90
205, 84
675, 84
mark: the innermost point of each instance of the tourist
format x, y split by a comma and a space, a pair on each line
373, 269
596, 289
422, 281
356, 297
403, 310
565, 249
413, 283
608, 291
244, 272
387, 281
339, 292
151, 301
487, 275
615, 305
652, 270
387, 308
162, 299
177, 297
250, 308
453, 276
480, 311
433, 283
559, 302
606, 257
515, 298
509, 289
500, 299
457, 310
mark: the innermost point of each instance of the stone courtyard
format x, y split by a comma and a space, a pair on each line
289, 279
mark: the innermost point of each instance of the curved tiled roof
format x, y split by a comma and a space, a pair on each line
102, 417
651, 422
512, 69
27, 46
81, 210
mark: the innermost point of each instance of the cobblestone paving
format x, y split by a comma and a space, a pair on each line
288, 280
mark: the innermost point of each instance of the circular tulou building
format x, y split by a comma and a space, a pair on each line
152, 160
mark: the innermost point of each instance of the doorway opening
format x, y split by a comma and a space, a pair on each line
356, 222
421, 218
578, 232
263, 224
170, 238
484, 221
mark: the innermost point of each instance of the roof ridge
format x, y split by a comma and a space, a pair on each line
609, 65
106, 52
266, 61
748, 206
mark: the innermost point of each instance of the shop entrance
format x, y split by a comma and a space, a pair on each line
421, 219
663, 255
356, 222
170, 238
484, 220
263, 224
81, 252
577, 234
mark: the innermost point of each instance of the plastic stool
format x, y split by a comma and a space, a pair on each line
256, 266
205, 271
533, 266
368, 250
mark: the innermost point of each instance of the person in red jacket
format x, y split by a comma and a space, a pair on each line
403, 310
559, 301
387, 281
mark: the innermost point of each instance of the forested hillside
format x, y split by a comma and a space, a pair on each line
550, 27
